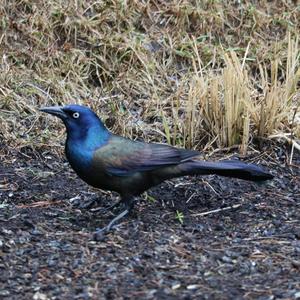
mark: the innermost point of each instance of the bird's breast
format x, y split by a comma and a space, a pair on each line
82, 161
79, 158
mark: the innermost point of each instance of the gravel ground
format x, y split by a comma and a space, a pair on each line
190, 238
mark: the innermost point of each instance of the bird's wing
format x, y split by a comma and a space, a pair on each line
123, 157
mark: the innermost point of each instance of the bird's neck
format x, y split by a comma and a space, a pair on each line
81, 145
88, 138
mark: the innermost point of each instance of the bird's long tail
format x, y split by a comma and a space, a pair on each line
228, 168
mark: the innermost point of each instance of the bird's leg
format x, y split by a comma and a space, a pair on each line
129, 203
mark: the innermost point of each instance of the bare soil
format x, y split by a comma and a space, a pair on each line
238, 240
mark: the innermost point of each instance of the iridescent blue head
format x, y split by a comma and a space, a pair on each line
82, 124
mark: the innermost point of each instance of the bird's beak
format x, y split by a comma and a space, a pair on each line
55, 110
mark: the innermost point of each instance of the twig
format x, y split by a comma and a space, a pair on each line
39, 89
217, 210
290, 140
210, 186
39, 204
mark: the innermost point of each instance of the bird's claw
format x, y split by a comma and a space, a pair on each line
102, 210
87, 204
100, 234
108, 209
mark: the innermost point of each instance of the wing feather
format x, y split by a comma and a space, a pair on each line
123, 157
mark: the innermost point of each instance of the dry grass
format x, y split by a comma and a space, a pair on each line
197, 74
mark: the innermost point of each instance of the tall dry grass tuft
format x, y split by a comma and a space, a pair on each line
280, 98
224, 104
232, 109
177, 72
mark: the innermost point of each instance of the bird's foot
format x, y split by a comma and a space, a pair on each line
100, 233
78, 202
107, 209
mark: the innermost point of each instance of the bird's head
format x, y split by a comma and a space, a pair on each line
79, 120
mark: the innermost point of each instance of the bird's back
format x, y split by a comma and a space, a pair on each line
128, 166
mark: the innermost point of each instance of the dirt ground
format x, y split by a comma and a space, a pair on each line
238, 240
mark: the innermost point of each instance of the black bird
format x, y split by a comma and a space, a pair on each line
110, 162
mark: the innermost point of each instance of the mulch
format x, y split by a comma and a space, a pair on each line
234, 239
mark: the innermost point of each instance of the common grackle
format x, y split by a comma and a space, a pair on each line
110, 162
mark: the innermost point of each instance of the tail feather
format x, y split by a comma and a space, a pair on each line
227, 168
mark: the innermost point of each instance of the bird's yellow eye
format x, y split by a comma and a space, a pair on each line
76, 115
